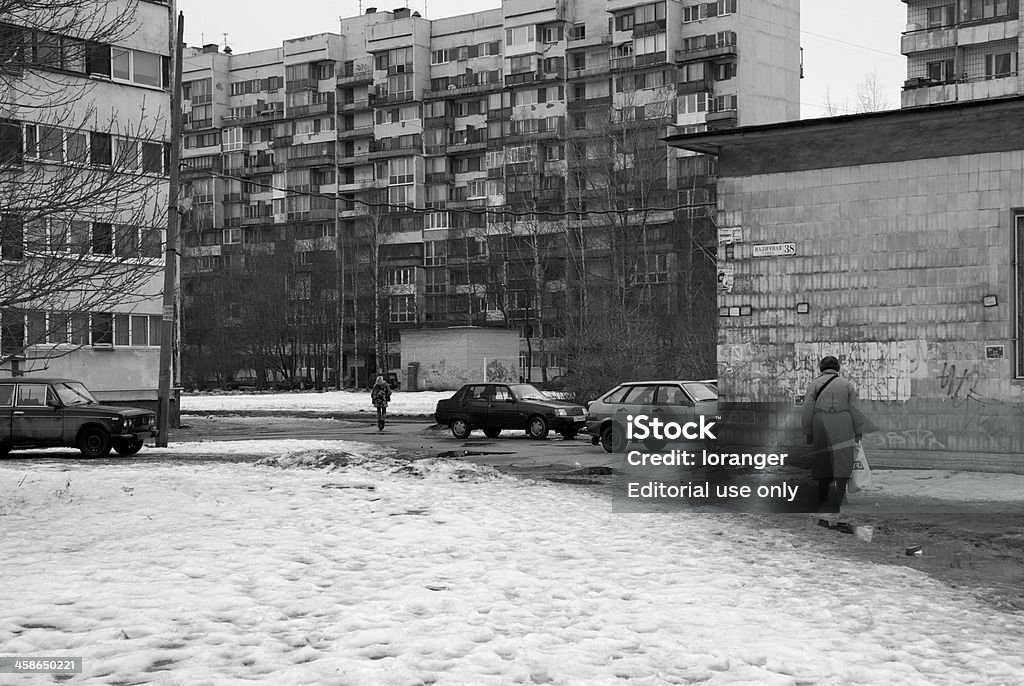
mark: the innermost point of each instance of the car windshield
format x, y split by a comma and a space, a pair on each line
701, 391
74, 393
525, 391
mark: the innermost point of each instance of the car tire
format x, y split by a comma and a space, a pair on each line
655, 443
569, 435
613, 440
94, 442
128, 448
460, 428
492, 432
537, 428
4, 449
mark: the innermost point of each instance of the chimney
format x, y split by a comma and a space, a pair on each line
210, 47
371, 10
401, 12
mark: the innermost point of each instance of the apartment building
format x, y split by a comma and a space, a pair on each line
498, 168
84, 124
960, 50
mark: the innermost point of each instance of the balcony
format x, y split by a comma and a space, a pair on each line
593, 40
462, 90
308, 110
281, 142
351, 105
391, 98
468, 146
722, 120
257, 221
313, 161
439, 177
624, 62
589, 72
520, 77
257, 169
361, 185
577, 105
928, 39
361, 74
300, 85
262, 117
356, 132
706, 53
704, 85
236, 197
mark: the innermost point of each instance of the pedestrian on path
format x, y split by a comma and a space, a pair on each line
380, 396
833, 424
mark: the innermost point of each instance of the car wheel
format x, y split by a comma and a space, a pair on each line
492, 432
537, 428
655, 443
569, 435
460, 428
128, 448
613, 440
4, 449
94, 442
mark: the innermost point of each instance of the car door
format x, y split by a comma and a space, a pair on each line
473, 405
6, 407
638, 401
37, 416
672, 404
503, 411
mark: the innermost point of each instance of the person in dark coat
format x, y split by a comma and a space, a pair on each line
833, 424
380, 396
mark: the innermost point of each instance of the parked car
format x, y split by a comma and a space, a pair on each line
296, 383
243, 383
494, 407
45, 413
675, 401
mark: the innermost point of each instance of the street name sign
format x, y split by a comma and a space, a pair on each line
775, 250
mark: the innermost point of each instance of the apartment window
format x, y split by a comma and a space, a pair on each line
624, 22
139, 67
694, 13
439, 56
650, 14
102, 239
12, 237
941, 16
403, 308
522, 63
520, 35
435, 254
941, 71
437, 220
725, 103
579, 121
437, 280
646, 45
578, 32
691, 72
101, 327
726, 71
400, 276
552, 34
100, 149
725, 7
694, 102
1000, 64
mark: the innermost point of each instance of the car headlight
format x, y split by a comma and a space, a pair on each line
561, 413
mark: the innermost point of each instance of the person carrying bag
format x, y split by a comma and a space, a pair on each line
833, 424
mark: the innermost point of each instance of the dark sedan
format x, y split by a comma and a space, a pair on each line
494, 407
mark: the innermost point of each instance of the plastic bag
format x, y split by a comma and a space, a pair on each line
861, 475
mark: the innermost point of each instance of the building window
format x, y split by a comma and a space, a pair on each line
940, 16
403, 308
1000, 64
434, 254
941, 71
400, 276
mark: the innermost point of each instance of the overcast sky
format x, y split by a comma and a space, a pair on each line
844, 41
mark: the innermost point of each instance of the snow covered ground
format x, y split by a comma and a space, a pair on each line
380, 572
422, 403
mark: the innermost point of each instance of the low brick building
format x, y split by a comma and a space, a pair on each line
446, 359
892, 240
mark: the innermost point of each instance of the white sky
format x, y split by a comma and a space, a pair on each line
843, 40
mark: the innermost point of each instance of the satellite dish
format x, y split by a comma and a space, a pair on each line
451, 86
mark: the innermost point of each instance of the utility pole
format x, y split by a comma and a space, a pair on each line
171, 247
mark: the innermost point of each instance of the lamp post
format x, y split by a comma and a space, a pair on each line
171, 246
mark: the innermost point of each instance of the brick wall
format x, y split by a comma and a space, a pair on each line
893, 260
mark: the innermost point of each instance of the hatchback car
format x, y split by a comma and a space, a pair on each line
494, 407
46, 413
669, 401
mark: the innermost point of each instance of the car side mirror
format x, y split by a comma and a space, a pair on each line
510, 400
54, 403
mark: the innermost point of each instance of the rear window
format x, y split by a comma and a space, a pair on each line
701, 391
617, 395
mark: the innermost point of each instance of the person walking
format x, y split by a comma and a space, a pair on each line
380, 396
833, 424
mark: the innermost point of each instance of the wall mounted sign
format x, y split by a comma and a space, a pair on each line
994, 352
730, 234
775, 250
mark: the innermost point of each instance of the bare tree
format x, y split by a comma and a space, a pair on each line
871, 95
82, 191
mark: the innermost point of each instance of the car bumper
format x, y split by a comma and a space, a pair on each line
136, 435
566, 423
594, 426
